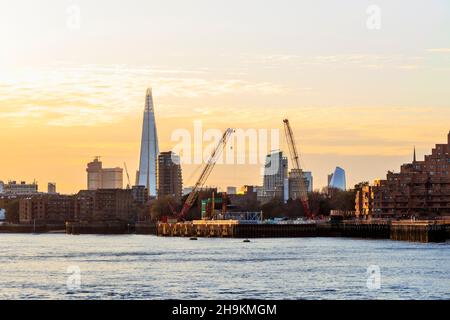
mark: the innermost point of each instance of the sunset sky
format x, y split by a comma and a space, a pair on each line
356, 98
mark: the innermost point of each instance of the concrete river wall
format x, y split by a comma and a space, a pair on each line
404, 231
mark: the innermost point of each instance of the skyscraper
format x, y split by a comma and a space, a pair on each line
170, 182
146, 175
338, 180
294, 183
275, 184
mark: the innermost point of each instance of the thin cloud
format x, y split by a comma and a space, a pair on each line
65, 95
439, 50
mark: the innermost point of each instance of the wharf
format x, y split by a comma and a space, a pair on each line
423, 231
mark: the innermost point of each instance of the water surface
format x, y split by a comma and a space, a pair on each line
147, 267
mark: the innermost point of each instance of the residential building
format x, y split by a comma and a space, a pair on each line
22, 188
364, 200
103, 178
170, 181
113, 204
421, 188
46, 209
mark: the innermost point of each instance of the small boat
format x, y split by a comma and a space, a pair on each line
246, 240
193, 238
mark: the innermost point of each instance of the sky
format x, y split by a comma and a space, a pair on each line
73, 77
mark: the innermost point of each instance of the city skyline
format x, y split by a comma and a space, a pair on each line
359, 98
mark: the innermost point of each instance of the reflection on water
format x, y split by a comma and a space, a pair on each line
147, 267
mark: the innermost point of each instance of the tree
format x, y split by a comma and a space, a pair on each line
273, 209
294, 209
343, 200
161, 207
319, 203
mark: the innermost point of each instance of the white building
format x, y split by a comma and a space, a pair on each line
103, 178
22, 188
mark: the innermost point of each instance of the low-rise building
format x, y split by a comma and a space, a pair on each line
22, 188
33, 209
113, 204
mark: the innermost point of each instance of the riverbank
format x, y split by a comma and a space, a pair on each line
415, 231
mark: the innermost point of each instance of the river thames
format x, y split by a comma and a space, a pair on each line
147, 267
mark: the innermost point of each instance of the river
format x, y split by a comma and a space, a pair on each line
58, 266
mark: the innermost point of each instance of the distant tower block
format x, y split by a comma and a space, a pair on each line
149, 148
103, 178
51, 188
338, 180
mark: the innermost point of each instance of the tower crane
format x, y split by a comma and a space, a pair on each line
297, 172
205, 174
128, 176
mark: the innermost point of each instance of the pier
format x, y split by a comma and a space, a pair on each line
424, 231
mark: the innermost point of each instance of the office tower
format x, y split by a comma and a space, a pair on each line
309, 180
170, 182
330, 176
294, 183
103, 178
338, 180
2, 186
275, 176
146, 175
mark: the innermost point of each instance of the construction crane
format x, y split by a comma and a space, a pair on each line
297, 172
205, 174
128, 176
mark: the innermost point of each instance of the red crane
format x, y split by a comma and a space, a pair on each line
205, 174
297, 172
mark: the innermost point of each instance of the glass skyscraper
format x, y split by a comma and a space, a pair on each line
338, 180
275, 184
146, 176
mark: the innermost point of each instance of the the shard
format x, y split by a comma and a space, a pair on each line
146, 176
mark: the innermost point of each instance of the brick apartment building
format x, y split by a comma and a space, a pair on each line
87, 205
46, 209
421, 188
170, 181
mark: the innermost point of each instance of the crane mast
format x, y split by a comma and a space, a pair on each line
205, 174
128, 176
297, 172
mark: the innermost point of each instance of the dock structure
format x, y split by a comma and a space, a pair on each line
427, 231
420, 231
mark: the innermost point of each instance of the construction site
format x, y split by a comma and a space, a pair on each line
217, 221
